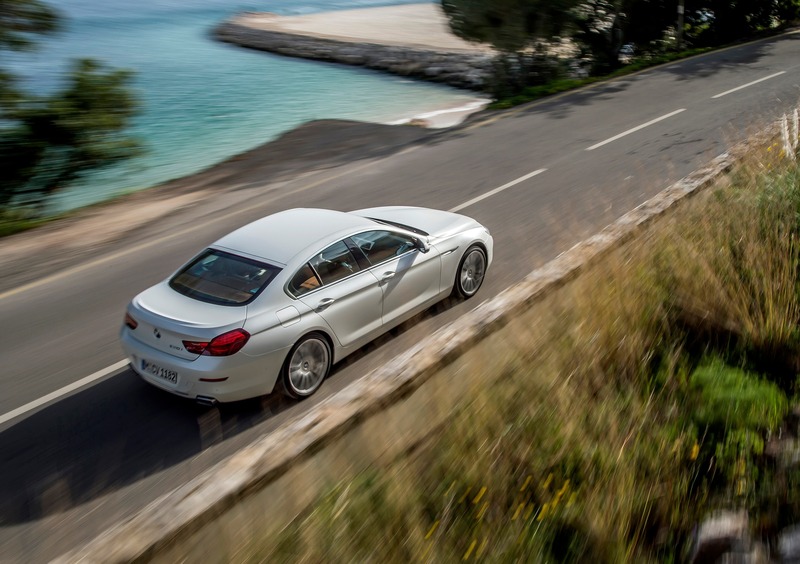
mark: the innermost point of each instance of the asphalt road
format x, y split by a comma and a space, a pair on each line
83, 460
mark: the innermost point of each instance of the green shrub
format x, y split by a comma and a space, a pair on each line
14, 222
729, 398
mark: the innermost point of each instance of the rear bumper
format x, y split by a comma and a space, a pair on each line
241, 376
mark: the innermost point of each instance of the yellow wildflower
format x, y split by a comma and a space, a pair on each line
517, 512
543, 512
470, 549
431, 531
563, 490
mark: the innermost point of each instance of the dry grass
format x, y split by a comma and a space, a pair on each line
587, 445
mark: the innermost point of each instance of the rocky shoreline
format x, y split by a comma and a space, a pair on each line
466, 68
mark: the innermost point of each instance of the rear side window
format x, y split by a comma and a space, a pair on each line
334, 263
223, 278
304, 281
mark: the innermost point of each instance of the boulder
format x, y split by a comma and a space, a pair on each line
789, 544
725, 533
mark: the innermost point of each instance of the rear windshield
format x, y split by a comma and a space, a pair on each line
221, 278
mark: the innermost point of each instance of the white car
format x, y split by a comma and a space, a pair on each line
279, 301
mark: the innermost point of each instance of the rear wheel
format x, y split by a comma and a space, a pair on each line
307, 365
470, 273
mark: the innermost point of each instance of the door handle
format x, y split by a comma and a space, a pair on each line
324, 303
387, 276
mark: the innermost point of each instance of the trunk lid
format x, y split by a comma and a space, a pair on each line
166, 318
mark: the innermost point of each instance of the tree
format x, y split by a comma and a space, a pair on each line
707, 22
54, 140
518, 29
736, 19
508, 25
599, 31
21, 20
47, 142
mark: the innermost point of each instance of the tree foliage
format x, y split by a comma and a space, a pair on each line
519, 30
47, 142
509, 26
598, 25
707, 22
53, 140
22, 20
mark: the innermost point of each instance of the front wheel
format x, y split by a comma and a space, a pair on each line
471, 272
307, 365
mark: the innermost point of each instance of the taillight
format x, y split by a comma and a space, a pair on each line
223, 345
130, 322
195, 347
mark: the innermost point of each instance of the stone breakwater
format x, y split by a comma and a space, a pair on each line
462, 69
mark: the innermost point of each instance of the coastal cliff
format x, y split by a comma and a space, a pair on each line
406, 48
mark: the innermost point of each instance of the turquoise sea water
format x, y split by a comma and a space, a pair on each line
204, 101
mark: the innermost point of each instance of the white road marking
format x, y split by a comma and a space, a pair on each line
62, 392
635, 129
721, 94
496, 190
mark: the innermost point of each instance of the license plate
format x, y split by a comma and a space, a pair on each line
159, 372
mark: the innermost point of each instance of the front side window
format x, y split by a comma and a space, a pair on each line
379, 246
334, 263
223, 278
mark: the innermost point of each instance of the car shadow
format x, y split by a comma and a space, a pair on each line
106, 437
123, 430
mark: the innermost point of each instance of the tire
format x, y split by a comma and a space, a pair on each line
471, 272
306, 366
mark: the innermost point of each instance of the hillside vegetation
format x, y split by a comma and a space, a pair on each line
652, 392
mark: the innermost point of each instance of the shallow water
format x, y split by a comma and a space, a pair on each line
204, 101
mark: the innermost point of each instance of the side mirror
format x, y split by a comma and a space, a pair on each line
421, 245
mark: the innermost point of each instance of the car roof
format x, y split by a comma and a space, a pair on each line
280, 237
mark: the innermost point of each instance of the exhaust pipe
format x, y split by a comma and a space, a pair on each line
206, 401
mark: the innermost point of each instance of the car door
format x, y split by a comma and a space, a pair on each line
409, 278
335, 287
